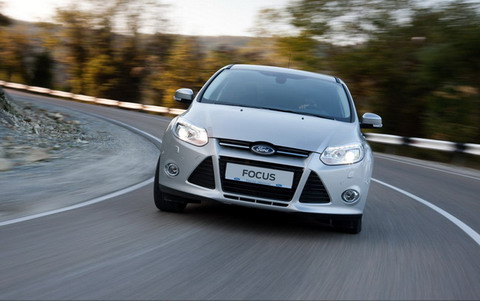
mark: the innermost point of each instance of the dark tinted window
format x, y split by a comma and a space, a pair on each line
279, 91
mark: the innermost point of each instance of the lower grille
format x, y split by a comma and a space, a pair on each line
314, 191
257, 190
203, 174
249, 200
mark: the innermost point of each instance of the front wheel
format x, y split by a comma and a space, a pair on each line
160, 198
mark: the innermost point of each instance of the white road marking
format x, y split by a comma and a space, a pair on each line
427, 167
80, 205
95, 200
469, 231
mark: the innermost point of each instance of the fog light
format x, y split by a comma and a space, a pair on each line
171, 169
350, 196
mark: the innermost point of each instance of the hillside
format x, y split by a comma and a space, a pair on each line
207, 42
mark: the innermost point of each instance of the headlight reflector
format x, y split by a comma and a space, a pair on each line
189, 133
341, 155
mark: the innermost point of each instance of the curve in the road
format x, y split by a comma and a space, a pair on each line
464, 227
156, 141
123, 248
460, 224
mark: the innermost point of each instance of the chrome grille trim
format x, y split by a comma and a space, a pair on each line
280, 150
234, 145
292, 154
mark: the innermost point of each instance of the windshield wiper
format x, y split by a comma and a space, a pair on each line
231, 104
274, 109
300, 113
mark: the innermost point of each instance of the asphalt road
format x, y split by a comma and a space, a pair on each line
123, 248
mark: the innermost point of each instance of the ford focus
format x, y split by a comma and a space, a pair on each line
271, 138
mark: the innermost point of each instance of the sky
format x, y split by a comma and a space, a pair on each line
190, 17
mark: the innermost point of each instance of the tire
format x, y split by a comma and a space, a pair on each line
351, 225
161, 199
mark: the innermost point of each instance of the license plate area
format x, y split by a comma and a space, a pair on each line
257, 190
259, 175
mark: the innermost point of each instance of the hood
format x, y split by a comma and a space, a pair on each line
279, 128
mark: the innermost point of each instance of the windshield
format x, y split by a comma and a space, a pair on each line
279, 91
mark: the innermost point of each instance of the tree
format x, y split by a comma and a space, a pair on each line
183, 69
101, 76
347, 21
414, 64
15, 50
76, 40
421, 76
4, 20
217, 58
42, 74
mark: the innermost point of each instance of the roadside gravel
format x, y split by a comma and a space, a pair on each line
54, 157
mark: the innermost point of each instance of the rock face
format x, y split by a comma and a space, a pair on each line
29, 134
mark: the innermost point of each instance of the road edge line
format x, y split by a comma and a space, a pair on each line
79, 205
464, 227
146, 135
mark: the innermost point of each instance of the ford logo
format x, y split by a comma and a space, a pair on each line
263, 149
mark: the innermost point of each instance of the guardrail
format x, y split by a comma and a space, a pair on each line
91, 99
440, 145
467, 148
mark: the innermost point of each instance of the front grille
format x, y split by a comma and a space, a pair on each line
279, 150
258, 190
203, 174
314, 191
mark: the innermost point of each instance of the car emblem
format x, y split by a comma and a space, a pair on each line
263, 149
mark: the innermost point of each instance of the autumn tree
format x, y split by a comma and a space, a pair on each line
42, 70
76, 25
183, 69
15, 50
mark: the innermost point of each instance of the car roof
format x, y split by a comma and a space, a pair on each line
283, 70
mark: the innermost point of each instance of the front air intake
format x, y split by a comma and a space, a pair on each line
314, 191
203, 175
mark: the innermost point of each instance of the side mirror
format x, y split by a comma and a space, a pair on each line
370, 121
184, 95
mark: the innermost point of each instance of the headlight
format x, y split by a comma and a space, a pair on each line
340, 155
187, 132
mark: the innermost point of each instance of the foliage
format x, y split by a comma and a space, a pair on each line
4, 20
14, 51
346, 20
183, 69
420, 73
42, 71
415, 63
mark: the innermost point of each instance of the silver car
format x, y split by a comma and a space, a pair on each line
271, 138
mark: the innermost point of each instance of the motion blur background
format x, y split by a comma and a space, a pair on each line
416, 63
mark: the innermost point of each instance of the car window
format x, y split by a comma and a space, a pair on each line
279, 91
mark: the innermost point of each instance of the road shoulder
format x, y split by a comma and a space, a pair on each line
107, 158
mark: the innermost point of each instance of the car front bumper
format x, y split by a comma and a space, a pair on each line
335, 179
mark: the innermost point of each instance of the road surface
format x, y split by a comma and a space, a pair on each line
124, 248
